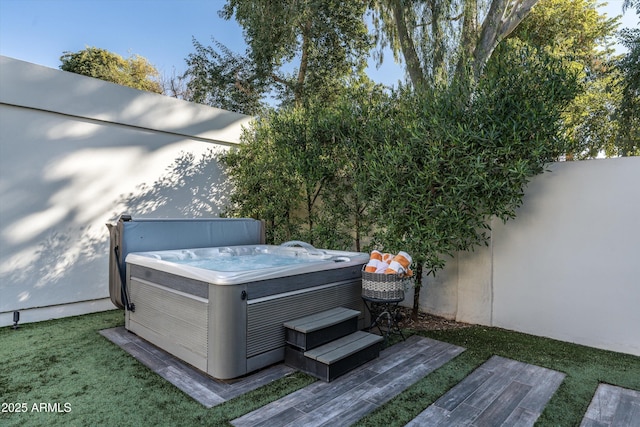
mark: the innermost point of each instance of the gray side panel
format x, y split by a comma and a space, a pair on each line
179, 283
227, 332
279, 285
265, 318
173, 321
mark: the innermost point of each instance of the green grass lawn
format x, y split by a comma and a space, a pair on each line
86, 380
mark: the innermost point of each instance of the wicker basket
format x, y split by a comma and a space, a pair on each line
384, 286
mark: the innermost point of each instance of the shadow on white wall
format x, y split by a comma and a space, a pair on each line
66, 240
76, 153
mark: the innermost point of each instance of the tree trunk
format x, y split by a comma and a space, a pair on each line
438, 67
503, 17
310, 214
304, 61
416, 292
476, 43
469, 37
357, 223
407, 46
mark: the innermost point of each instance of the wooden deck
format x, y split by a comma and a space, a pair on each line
350, 397
613, 406
204, 389
500, 392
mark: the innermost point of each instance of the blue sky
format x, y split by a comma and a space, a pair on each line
39, 31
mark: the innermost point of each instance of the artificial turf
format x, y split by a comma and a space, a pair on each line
66, 361
62, 372
585, 368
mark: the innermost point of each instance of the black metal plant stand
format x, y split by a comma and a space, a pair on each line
384, 316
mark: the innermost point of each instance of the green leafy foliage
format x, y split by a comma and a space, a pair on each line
301, 169
445, 165
628, 112
302, 47
135, 71
590, 119
421, 171
572, 29
575, 32
221, 78
264, 188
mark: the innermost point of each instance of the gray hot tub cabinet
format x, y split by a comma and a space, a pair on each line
230, 330
224, 330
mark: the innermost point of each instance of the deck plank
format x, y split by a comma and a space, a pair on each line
397, 384
521, 417
613, 406
503, 405
628, 411
544, 384
500, 392
193, 388
489, 390
470, 383
336, 388
206, 390
337, 412
359, 392
282, 418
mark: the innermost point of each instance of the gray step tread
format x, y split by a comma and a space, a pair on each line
343, 347
321, 320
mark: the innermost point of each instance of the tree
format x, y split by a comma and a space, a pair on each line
351, 125
590, 122
221, 78
628, 112
455, 162
176, 86
569, 29
575, 32
431, 163
302, 47
422, 170
301, 168
135, 71
443, 40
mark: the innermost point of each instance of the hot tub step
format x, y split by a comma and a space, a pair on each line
317, 329
336, 358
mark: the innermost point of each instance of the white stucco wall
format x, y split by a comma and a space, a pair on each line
567, 267
75, 153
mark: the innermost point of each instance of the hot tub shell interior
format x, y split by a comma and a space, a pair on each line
228, 324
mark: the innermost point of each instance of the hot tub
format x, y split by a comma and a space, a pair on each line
222, 309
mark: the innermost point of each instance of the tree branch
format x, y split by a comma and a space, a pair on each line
517, 13
407, 46
438, 67
448, 18
469, 37
503, 17
304, 61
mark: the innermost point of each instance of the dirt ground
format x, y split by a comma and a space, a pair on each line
428, 322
